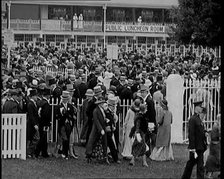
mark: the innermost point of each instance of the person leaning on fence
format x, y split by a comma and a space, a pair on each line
197, 143
65, 115
32, 123
44, 113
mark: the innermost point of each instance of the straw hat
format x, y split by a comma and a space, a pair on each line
112, 101
70, 87
89, 92
97, 90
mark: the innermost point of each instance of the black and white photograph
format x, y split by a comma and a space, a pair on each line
111, 89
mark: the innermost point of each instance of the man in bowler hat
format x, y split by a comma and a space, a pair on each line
197, 143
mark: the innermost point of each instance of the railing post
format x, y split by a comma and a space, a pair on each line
23, 137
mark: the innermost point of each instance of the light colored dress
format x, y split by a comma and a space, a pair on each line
128, 142
163, 150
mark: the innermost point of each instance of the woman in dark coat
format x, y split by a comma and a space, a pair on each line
139, 130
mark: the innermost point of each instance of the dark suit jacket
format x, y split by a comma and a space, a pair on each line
82, 89
90, 108
98, 119
151, 112
67, 114
114, 81
45, 114
126, 93
196, 135
32, 113
11, 106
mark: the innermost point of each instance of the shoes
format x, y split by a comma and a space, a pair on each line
145, 165
74, 156
89, 160
132, 163
106, 161
64, 157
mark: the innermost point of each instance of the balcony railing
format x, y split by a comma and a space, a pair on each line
62, 25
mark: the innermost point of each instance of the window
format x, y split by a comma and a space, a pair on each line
141, 40
147, 15
81, 39
59, 12
121, 39
19, 37
50, 38
115, 14
59, 38
90, 39
150, 40
28, 37
112, 39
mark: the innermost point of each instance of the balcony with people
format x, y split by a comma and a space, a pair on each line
87, 18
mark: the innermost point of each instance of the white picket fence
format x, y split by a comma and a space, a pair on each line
13, 136
14, 125
209, 92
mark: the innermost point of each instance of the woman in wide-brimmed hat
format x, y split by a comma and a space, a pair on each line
163, 150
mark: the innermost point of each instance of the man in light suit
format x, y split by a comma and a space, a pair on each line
197, 143
98, 129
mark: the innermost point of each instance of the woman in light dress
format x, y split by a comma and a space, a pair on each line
163, 150
128, 124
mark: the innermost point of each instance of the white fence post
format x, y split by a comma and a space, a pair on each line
174, 97
14, 136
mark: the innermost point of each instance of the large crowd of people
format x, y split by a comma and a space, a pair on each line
103, 84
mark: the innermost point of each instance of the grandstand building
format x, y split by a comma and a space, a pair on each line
90, 24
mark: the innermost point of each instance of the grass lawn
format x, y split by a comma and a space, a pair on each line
60, 168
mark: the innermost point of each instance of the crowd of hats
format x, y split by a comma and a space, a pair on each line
130, 65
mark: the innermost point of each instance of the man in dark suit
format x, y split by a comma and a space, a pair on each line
32, 122
151, 118
12, 105
90, 108
44, 113
98, 129
197, 143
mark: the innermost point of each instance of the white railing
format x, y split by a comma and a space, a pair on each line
207, 91
13, 136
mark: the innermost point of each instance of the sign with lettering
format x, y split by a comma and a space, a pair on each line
112, 52
135, 28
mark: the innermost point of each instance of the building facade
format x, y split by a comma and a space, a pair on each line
91, 24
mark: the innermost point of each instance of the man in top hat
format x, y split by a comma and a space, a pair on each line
44, 113
65, 115
111, 120
197, 143
32, 122
97, 92
83, 117
12, 104
98, 129
73, 101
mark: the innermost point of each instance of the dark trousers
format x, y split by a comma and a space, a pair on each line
93, 138
190, 164
42, 144
150, 138
111, 145
89, 128
116, 134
